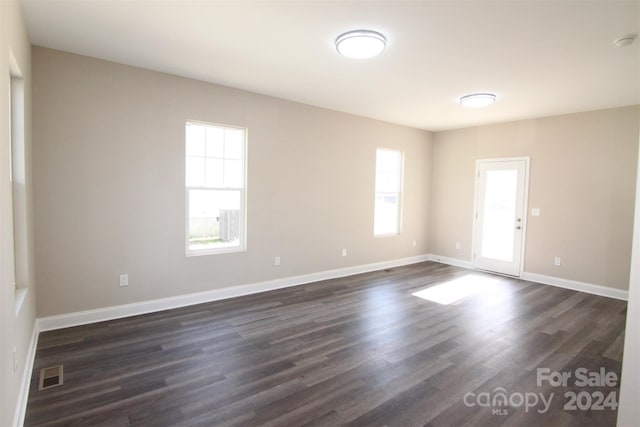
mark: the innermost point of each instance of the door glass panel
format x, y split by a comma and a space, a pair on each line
499, 214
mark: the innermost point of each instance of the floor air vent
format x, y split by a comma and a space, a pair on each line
50, 377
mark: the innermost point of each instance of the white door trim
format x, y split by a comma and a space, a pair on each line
525, 216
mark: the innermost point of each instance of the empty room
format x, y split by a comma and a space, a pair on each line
319, 213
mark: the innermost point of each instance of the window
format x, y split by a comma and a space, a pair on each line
386, 219
215, 188
17, 178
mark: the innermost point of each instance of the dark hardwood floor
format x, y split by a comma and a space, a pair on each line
357, 351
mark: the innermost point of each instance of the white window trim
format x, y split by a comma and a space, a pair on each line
17, 177
242, 238
400, 194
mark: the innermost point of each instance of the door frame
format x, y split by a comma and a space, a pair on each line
525, 207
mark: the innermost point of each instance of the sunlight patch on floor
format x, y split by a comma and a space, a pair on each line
457, 289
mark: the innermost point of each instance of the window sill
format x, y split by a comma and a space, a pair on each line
383, 236
203, 252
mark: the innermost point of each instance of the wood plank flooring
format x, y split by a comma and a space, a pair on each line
357, 351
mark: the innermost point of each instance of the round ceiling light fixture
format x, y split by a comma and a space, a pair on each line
360, 44
478, 100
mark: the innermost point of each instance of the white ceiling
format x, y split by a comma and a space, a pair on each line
541, 58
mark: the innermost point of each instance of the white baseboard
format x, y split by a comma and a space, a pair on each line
451, 261
126, 310
589, 288
23, 396
574, 285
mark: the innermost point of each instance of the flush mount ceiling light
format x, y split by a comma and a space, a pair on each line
477, 100
360, 44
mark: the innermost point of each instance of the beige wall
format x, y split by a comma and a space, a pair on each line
16, 326
582, 177
109, 185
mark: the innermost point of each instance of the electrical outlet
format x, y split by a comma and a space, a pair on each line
458, 245
557, 261
414, 243
344, 251
124, 280
15, 360
276, 261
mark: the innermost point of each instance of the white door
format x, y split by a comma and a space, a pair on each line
499, 216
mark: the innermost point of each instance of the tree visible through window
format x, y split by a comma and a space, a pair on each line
386, 220
215, 187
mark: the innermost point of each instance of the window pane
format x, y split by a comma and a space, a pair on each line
233, 173
386, 214
388, 161
499, 214
215, 142
233, 143
194, 168
214, 219
195, 140
214, 173
388, 183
